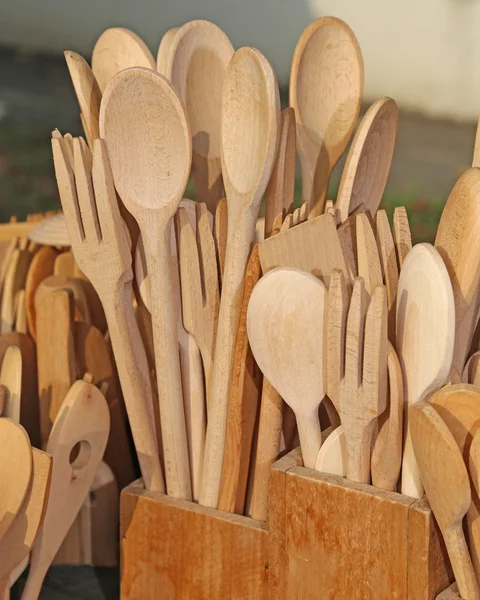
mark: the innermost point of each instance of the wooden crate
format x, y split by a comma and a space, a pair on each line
172, 548
333, 539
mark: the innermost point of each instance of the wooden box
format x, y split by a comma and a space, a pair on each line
333, 539
174, 549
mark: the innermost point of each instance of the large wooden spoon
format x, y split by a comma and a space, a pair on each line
326, 86
249, 126
291, 356
198, 59
150, 147
425, 336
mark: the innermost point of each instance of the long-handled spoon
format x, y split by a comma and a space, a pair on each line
249, 127
163, 55
150, 147
326, 86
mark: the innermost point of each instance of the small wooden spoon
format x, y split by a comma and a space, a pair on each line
445, 478
249, 133
41, 267
425, 337
198, 59
163, 56
369, 160
117, 49
290, 356
326, 86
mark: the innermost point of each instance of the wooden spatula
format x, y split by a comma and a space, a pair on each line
445, 478
41, 267
82, 424
291, 356
458, 242
388, 259
14, 281
369, 267
11, 382
401, 234
424, 337
62, 282
249, 132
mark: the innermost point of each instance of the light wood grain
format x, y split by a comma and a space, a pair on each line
15, 277
326, 86
65, 264
424, 339
163, 55
11, 382
388, 259
401, 234
81, 309
21, 312
332, 456
369, 266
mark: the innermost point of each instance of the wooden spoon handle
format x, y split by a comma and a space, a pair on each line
36, 575
310, 436
461, 563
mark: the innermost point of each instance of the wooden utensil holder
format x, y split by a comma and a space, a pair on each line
331, 538
172, 548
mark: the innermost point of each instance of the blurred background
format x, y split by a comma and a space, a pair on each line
425, 55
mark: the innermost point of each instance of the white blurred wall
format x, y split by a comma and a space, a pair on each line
423, 53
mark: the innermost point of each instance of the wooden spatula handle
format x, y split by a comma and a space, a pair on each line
461, 563
310, 436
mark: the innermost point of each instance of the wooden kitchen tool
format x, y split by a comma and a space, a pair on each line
249, 131
111, 255
424, 339
14, 281
18, 540
65, 262
82, 424
458, 242
332, 456
369, 160
445, 478
459, 407
41, 267
62, 282
11, 382
357, 366
220, 231
198, 59
326, 86
471, 372
369, 267
21, 312
388, 259
51, 231
87, 92
401, 234
163, 55
285, 329
117, 49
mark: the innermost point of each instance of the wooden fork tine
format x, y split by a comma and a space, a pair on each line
336, 324
355, 331
86, 198
67, 191
376, 350
87, 151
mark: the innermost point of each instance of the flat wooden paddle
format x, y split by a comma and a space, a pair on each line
369, 266
62, 282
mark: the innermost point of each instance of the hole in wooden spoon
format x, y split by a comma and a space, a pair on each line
80, 455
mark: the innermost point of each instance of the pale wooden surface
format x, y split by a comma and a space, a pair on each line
332, 456
221, 555
369, 159
163, 54
117, 49
220, 232
326, 105
198, 58
83, 420
368, 258
150, 177
446, 482
11, 382
390, 270
52, 230
64, 264
14, 281
21, 312
63, 282
249, 130
401, 234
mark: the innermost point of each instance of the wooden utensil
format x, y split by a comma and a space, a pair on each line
445, 478
243, 400
51, 231
369, 160
326, 86
198, 59
357, 366
20, 312
6, 259
249, 131
424, 337
332, 456
369, 267
220, 232
387, 450
163, 56
62, 282
111, 256
87, 92
82, 424
471, 372
11, 383
41, 267
14, 281
458, 243
401, 234
295, 299
18, 540
388, 259
117, 49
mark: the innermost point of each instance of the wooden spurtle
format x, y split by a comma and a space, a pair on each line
369, 267
357, 341
326, 87
130, 133
424, 339
11, 382
388, 259
401, 234
41, 267
163, 55
82, 424
117, 49
198, 59
369, 160
458, 242
249, 131
445, 478
284, 353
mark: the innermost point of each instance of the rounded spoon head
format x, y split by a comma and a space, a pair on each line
163, 54
148, 139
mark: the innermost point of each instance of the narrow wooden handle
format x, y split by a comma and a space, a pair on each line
411, 480
36, 575
461, 563
310, 436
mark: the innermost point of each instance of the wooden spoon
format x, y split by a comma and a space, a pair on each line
198, 59
41, 267
11, 382
326, 86
117, 49
250, 122
163, 56
458, 242
425, 337
150, 176
369, 160
445, 478
83, 423
295, 299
